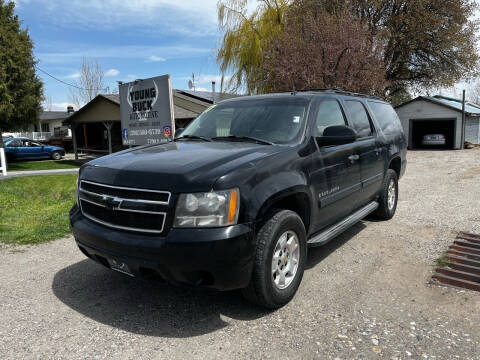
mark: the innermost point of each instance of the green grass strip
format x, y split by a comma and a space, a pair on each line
34, 209
42, 165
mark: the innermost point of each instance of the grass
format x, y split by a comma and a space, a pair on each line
442, 261
34, 209
42, 165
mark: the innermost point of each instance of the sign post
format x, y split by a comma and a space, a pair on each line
3, 161
146, 111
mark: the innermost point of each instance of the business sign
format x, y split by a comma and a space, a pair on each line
146, 111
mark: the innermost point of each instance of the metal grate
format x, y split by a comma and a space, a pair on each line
123, 208
461, 263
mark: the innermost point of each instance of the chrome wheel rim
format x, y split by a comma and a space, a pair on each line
391, 195
286, 257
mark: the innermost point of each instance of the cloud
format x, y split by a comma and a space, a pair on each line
121, 52
75, 75
194, 18
59, 106
155, 58
207, 79
112, 72
188, 17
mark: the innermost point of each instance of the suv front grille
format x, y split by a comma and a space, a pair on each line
124, 208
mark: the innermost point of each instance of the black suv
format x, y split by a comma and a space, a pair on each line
236, 199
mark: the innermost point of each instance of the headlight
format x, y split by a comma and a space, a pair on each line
212, 209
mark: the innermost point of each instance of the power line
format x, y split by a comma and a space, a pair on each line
68, 84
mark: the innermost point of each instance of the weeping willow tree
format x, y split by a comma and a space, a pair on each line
246, 36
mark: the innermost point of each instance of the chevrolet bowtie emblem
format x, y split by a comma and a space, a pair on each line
110, 202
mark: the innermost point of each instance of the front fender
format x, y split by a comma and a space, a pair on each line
274, 189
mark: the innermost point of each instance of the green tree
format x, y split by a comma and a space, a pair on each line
21, 91
245, 39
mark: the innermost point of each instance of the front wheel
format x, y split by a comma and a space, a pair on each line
56, 155
280, 257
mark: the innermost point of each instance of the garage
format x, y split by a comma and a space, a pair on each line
420, 128
441, 115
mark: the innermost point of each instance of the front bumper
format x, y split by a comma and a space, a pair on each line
220, 258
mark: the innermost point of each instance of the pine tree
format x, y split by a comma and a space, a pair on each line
21, 91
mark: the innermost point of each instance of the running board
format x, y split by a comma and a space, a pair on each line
335, 230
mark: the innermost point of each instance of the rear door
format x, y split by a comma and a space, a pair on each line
335, 177
370, 150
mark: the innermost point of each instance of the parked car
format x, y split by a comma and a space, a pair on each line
27, 149
235, 201
434, 140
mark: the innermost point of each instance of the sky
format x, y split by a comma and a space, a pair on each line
131, 39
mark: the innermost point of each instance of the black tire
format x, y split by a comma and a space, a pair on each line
262, 289
56, 155
384, 211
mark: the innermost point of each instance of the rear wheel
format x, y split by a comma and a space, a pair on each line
280, 258
388, 196
56, 155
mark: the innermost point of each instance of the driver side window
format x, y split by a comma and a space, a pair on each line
329, 113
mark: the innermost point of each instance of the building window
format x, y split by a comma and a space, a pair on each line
45, 127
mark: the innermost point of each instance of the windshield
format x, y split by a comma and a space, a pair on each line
279, 120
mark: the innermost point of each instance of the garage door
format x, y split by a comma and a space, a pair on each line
420, 128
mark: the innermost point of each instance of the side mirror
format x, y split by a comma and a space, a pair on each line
337, 135
178, 131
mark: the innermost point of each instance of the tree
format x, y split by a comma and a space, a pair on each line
246, 37
426, 43
90, 83
473, 93
327, 50
21, 91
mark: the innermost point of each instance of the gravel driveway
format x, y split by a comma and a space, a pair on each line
364, 296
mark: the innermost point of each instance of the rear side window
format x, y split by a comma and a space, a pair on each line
329, 114
386, 117
359, 118
14, 143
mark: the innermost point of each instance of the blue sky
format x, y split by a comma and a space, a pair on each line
131, 39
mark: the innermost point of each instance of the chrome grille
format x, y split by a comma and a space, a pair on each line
132, 209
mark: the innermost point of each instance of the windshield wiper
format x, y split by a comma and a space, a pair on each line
193, 137
247, 138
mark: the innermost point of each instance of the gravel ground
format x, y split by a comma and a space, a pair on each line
364, 296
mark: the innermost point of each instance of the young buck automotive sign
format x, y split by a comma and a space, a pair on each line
146, 111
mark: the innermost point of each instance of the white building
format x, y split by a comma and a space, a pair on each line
439, 115
49, 125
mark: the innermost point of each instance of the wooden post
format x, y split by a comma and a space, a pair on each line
74, 140
108, 125
85, 135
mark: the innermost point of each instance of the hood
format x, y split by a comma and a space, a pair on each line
176, 166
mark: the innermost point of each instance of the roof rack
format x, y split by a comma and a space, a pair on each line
340, 92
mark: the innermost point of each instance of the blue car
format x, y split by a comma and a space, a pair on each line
27, 149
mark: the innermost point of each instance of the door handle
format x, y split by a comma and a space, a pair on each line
354, 158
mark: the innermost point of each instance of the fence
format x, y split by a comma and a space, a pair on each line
3, 162
39, 136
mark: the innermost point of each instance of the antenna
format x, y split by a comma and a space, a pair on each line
191, 82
